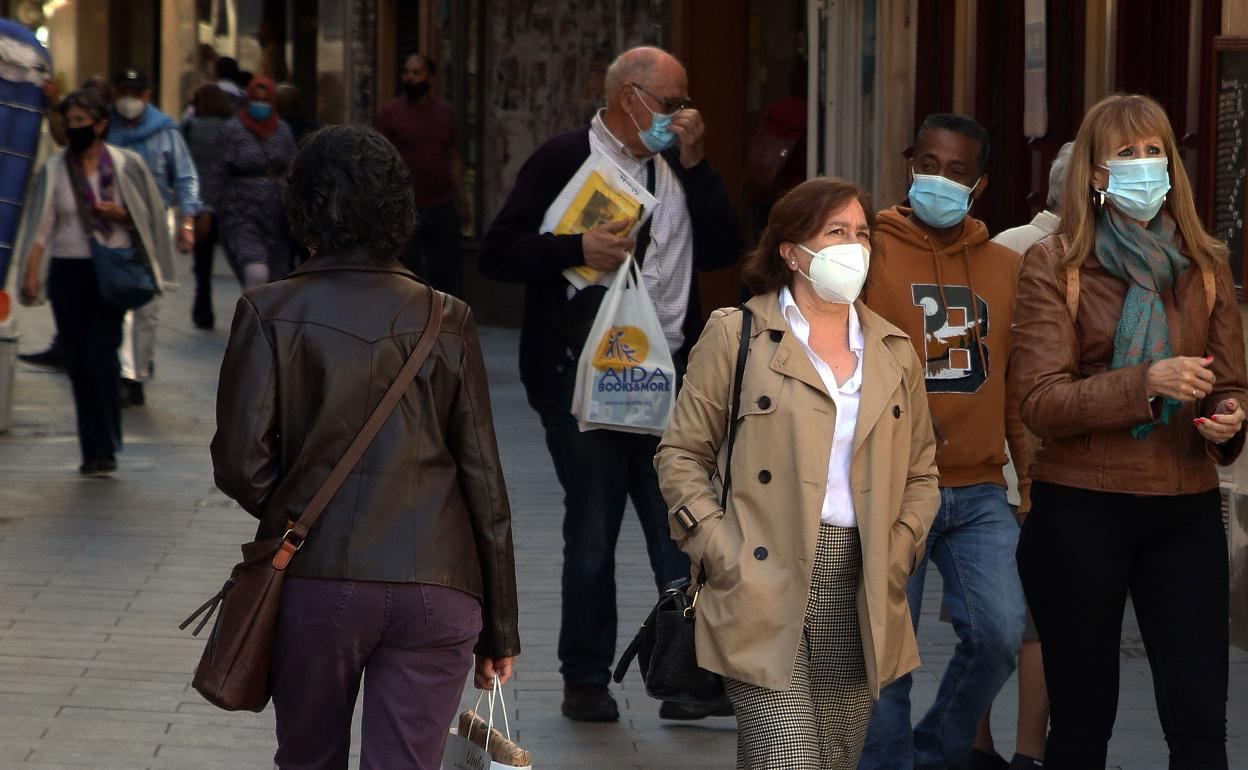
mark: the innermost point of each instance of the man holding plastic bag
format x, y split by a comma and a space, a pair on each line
634, 181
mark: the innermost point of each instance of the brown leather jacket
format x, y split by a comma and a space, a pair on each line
1083, 412
307, 361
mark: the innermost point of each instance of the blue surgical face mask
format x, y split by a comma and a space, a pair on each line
659, 137
1138, 187
260, 110
938, 201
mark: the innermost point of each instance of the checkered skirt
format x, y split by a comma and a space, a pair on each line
820, 722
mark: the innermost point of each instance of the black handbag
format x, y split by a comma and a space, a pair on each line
124, 276
664, 646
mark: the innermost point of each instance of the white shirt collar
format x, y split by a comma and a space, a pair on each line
610, 141
801, 327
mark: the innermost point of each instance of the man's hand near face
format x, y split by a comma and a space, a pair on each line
689, 128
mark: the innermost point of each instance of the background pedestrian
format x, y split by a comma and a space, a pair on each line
211, 110
248, 172
88, 191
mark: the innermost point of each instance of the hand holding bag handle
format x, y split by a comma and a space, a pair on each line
233, 672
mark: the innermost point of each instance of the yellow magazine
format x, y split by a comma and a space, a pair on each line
600, 191
596, 203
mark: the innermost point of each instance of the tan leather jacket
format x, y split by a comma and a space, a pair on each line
1083, 412
308, 360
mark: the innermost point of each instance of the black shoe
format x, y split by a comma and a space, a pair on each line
671, 709
132, 393
982, 760
589, 703
98, 468
202, 318
1024, 762
48, 359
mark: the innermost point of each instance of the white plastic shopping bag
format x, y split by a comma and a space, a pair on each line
475, 745
625, 379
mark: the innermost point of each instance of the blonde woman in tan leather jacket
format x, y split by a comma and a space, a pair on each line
1129, 358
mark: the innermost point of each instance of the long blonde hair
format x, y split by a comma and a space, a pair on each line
1112, 122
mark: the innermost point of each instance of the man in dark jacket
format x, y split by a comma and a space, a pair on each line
649, 129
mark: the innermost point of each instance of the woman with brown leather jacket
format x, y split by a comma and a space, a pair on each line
1129, 360
410, 566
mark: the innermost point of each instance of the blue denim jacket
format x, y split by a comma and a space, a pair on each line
158, 141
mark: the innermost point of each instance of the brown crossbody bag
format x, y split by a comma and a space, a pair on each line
233, 672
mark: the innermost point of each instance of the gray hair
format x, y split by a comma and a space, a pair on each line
631, 66
1057, 176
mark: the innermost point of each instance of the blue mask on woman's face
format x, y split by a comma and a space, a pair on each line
1138, 187
939, 202
659, 137
260, 110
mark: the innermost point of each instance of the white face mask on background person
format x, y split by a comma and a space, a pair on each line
838, 272
130, 107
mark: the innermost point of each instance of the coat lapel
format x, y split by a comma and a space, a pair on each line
790, 358
881, 374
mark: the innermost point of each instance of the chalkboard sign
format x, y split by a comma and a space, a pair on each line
1228, 157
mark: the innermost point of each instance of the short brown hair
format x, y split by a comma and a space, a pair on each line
795, 218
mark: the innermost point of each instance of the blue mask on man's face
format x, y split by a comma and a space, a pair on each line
659, 137
939, 201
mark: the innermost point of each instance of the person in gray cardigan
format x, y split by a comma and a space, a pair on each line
89, 191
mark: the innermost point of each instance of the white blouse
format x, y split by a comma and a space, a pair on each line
61, 232
838, 499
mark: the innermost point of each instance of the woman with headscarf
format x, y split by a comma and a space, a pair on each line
248, 175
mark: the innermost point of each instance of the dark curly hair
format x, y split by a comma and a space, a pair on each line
349, 190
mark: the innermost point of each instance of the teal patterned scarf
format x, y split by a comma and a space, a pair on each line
1150, 262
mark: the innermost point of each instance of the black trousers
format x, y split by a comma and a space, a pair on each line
1081, 553
600, 471
433, 251
89, 333
205, 247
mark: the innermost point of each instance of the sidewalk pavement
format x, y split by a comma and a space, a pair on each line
95, 575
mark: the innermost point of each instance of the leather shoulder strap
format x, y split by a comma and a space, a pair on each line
1072, 283
1211, 289
407, 374
747, 319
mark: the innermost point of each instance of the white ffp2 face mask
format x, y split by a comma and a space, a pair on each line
838, 272
130, 107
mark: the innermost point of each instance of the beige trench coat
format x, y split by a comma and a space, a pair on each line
758, 554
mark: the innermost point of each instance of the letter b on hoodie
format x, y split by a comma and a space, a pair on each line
956, 337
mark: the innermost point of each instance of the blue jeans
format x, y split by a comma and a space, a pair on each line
972, 542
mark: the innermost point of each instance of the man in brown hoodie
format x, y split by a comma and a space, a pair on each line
936, 275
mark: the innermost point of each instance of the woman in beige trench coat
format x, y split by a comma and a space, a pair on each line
834, 486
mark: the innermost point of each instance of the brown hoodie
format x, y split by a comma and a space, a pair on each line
926, 292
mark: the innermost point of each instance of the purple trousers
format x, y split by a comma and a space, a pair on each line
411, 643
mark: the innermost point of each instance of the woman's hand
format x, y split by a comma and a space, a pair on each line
1183, 378
488, 668
113, 212
31, 283
1222, 426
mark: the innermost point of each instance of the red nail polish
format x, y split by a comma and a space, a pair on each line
1199, 421
1213, 417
